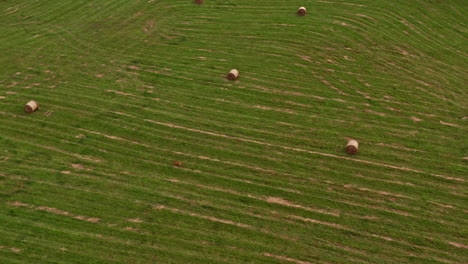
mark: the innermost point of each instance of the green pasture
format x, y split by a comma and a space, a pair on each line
127, 87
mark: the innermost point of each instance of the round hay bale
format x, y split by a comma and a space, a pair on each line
198, 1
233, 75
352, 147
302, 11
31, 106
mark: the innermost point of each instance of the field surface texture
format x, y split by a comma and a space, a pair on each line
143, 152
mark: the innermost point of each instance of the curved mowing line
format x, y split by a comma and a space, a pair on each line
411, 38
303, 150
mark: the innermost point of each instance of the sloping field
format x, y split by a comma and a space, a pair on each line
127, 87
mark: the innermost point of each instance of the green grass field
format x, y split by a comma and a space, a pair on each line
127, 87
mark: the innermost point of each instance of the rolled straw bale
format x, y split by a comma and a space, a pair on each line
352, 147
233, 75
198, 1
302, 11
31, 106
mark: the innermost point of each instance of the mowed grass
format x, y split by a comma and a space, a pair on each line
128, 87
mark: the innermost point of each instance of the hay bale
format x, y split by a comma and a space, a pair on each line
233, 75
302, 11
31, 106
198, 1
352, 147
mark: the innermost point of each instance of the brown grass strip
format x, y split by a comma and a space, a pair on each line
382, 208
305, 219
88, 158
366, 16
113, 137
458, 245
211, 218
449, 124
54, 211
352, 186
279, 200
121, 93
